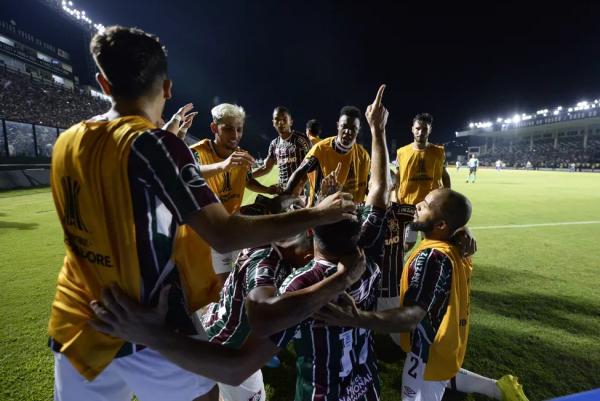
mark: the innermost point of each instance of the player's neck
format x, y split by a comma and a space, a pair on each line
221, 150
136, 107
420, 146
285, 135
319, 254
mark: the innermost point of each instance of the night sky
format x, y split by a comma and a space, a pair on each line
461, 63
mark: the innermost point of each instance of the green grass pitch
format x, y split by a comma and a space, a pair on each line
535, 298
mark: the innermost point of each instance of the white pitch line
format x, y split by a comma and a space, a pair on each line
565, 223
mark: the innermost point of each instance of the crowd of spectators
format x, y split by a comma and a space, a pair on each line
568, 152
26, 99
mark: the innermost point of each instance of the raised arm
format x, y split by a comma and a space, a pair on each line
446, 178
377, 116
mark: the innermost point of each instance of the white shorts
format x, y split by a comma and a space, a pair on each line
252, 389
146, 373
414, 388
223, 262
385, 303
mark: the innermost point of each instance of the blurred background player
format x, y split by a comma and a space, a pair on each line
227, 170
458, 164
324, 157
313, 131
421, 169
287, 150
473, 164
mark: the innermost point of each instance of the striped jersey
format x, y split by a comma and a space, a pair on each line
226, 321
121, 188
429, 280
397, 217
337, 363
288, 153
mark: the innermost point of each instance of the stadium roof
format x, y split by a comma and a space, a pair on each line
525, 123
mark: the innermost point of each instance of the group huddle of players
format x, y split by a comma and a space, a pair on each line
170, 285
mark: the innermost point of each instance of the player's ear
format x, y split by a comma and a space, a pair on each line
214, 128
104, 84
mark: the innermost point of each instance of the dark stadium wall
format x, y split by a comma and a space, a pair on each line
53, 26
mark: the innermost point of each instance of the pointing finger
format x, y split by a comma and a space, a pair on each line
379, 95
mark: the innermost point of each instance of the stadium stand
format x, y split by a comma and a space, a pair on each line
25, 98
562, 139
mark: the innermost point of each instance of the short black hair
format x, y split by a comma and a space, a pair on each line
314, 126
282, 109
338, 238
134, 62
350, 111
456, 209
424, 117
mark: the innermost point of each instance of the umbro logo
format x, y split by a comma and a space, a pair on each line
190, 174
409, 392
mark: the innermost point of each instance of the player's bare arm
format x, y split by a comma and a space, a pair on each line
122, 317
236, 159
269, 314
297, 178
346, 314
256, 186
264, 169
446, 179
377, 116
226, 232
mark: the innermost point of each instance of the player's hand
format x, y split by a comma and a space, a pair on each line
336, 207
274, 189
179, 119
120, 316
353, 266
187, 123
342, 313
238, 158
465, 240
330, 184
376, 113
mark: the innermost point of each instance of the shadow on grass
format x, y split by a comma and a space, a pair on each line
18, 226
498, 276
546, 370
549, 310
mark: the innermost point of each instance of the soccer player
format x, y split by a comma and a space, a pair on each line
498, 165
121, 187
433, 316
313, 131
420, 170
473, 164
458, 165
227, 170
287, 150
336, 362
249, 303
324, 157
